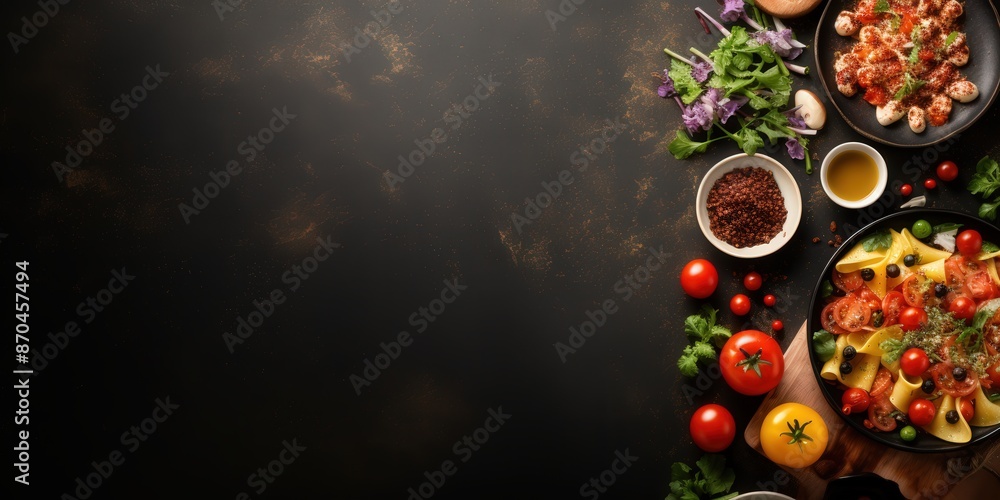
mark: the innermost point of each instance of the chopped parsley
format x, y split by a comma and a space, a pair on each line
910, 83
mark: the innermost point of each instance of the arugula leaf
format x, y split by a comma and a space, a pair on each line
684, 146
684, 82
877, 240
944, 228
824, 345
882, 6
990, 247
910, 83
986, 180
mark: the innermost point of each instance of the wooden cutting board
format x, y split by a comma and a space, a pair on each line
849, 452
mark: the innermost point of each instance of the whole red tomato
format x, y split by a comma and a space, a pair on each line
947, 171
739, 304
912, 318
752, 362
914, 362
921, 412
969, 242
713, 428
962, 308
699, 278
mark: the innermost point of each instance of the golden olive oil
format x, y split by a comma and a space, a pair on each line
853, 175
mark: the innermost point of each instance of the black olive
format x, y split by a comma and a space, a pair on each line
958, 373
846, 368
892, 271
909, 260
951, 417
927, 386
850, 352
940, 290
867, 274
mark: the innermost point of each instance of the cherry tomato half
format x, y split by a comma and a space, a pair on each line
914, 362
892, 306
752, 281
713, 428
947, 171
962, 308
699, 278
921, 412
740, 304
969, 242
912, 318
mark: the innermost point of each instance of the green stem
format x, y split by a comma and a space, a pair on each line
781, 65
809, 165
676, 56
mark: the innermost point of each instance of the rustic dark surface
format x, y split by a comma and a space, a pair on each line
324, 177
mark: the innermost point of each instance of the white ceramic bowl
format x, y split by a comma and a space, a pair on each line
789, 191
883, 174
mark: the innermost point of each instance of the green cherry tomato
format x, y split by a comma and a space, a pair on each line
921, 229
908, 433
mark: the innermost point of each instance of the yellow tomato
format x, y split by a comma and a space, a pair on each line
793, 435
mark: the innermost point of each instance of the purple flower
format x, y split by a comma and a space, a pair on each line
795, 150
711, 99
781, 42
700, 70
731, 10
728, 106
667, 88
796, 121
697, 117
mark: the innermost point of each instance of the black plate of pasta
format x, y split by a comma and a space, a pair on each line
906, 318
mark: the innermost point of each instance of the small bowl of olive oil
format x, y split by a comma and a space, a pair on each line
853, 175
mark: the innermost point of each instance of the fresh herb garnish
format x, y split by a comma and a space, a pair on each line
910, 84
944, 228
984, 182
950, 39
882, 6
892, 349
994, 397
712, 480
990, 247
877, 240
705, 336
824, 345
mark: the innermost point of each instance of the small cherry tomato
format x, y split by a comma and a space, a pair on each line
921, 412
740, 304
968, 409
930, 184
905, 190
777, 325
855, 401
699, 278
712, 428
914, 362
912, 318
947, 171
770, 300
969, 242
962, 308
752, 281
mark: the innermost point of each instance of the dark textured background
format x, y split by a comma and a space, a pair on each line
323, 176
